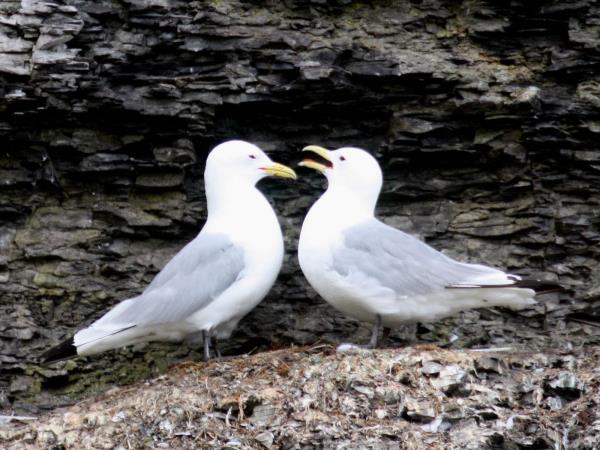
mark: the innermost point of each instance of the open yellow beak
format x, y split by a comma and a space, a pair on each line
322, 152
279, 170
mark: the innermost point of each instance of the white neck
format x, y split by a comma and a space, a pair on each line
339, 209
238, 208
225, 196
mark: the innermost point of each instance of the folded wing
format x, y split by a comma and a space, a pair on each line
406, 265
192, 279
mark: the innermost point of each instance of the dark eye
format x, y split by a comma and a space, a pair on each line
252, 156
342, 158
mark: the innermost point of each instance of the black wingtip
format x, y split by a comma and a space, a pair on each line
539, 286
64, 350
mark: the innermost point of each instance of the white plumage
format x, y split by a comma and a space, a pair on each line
217, 278
376, 273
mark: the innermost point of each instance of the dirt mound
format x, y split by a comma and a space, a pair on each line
419, 397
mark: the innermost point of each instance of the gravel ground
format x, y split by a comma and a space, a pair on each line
316, 397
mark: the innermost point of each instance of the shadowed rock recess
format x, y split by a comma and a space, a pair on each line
484, 115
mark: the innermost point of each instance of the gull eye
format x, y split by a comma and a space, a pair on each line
252, 156
342, 158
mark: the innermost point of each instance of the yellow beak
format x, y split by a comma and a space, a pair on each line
279, 170
322, 152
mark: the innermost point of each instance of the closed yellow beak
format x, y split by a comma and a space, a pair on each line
311, 164
279, 170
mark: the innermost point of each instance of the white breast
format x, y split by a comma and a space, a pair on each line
252, 225
320, 235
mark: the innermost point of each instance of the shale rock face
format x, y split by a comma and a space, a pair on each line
484, 116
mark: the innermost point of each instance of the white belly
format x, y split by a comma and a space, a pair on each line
263, 259
362, 298
223, 313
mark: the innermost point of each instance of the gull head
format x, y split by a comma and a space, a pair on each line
242, 162
348, 169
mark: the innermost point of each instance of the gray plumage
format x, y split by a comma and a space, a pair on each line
401, 262
201, 271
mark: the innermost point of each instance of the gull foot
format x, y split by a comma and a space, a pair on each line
348, 347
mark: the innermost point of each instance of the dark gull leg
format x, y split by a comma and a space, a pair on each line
372, 342
216, 347
375, 333
386, 334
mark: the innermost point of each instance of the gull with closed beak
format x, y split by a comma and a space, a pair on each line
217, 278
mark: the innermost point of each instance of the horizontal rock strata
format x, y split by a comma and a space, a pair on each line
483, 114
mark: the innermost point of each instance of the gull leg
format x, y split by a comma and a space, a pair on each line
386, 334
372, 342
375, 333
216, 347
206, 342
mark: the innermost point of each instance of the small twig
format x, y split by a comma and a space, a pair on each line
8, 419
496, 349
317, 347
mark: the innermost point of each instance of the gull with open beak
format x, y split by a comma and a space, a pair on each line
217, 278
378, 274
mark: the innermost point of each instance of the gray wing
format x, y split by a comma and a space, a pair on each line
401, 262
194, 277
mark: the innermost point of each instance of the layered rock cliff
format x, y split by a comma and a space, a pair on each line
484, 115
